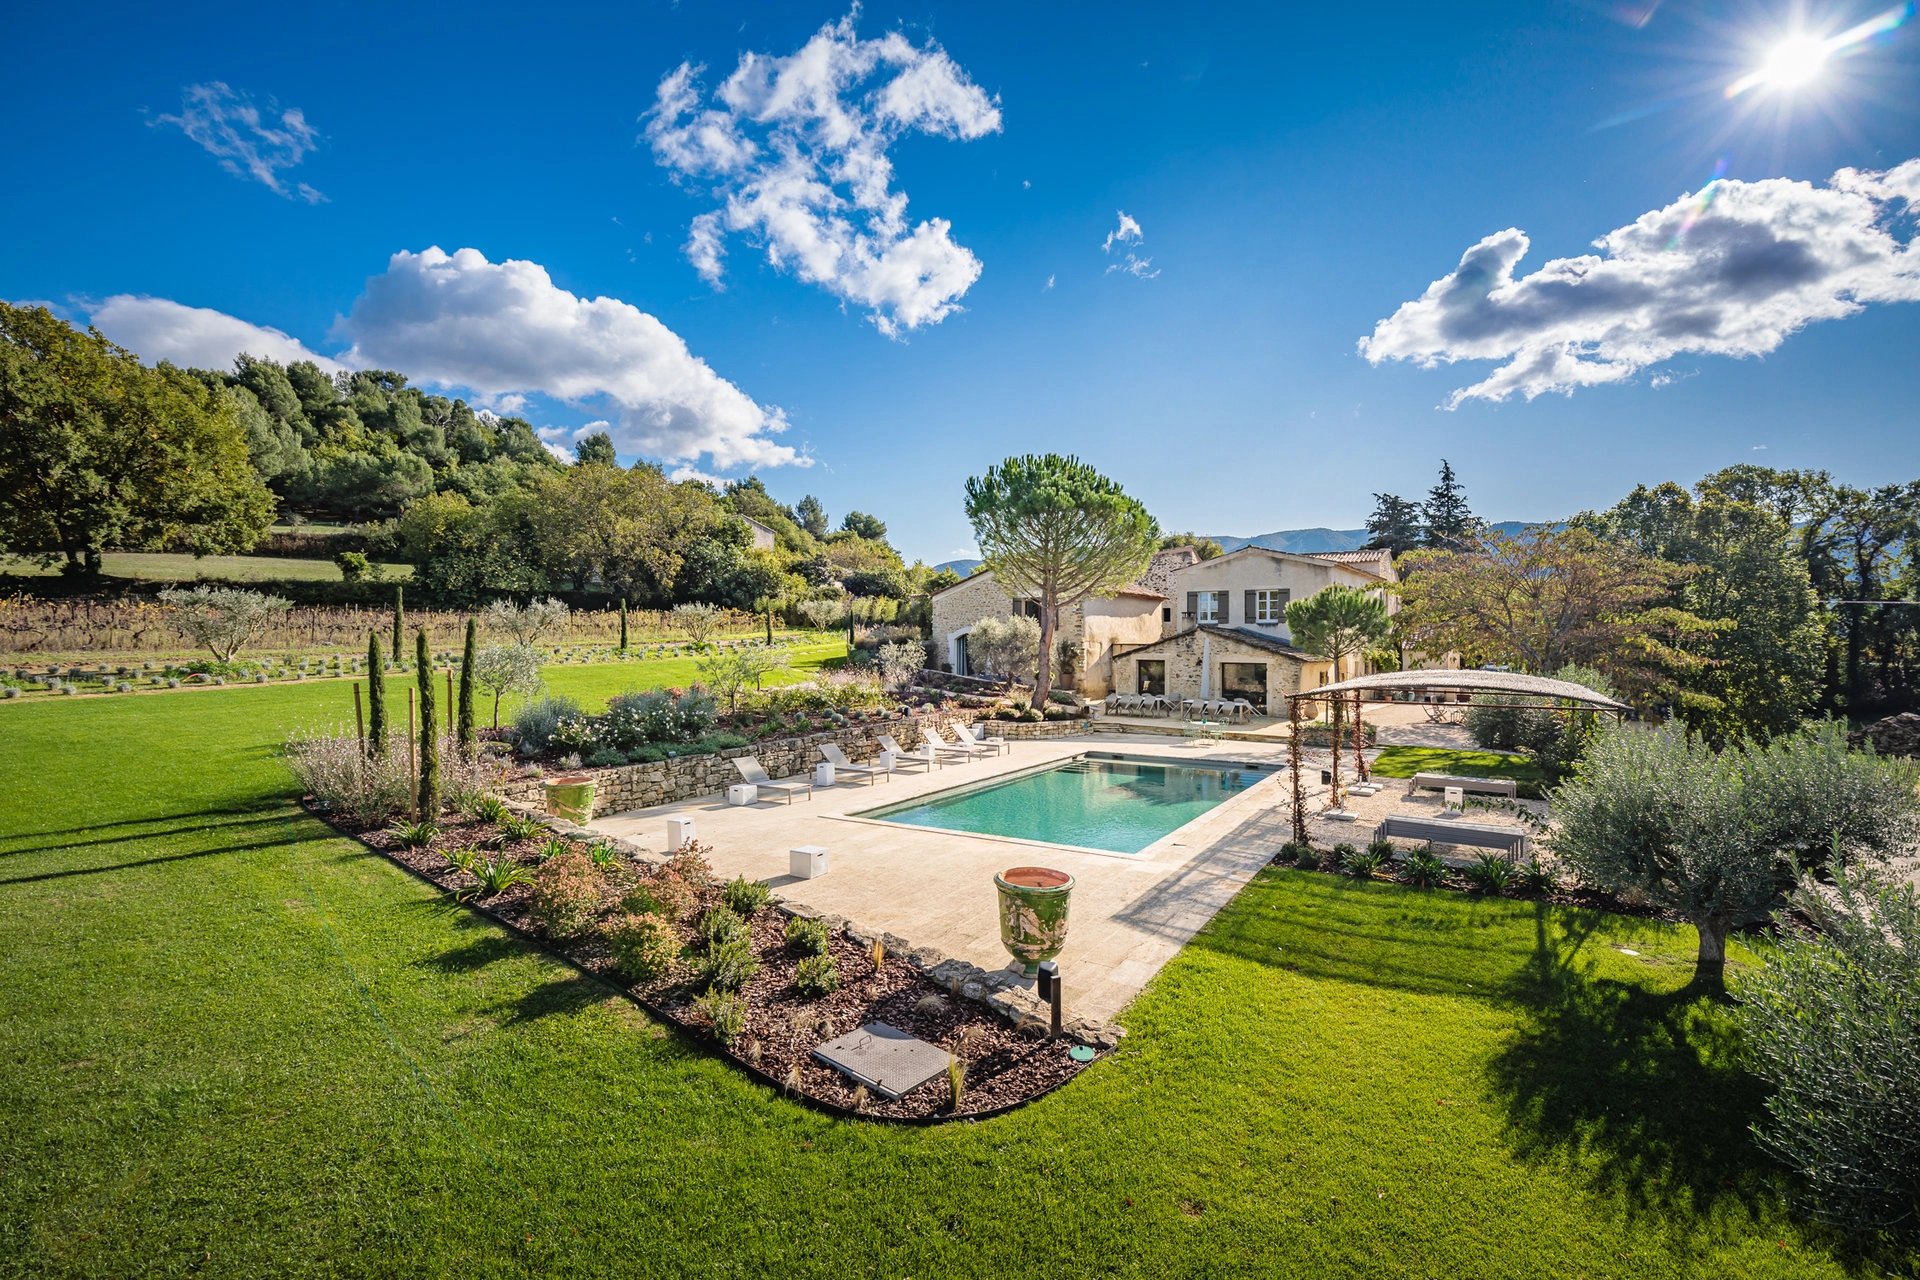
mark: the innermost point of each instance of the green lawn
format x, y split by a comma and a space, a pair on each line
1404, 762
154, 566
236, 1045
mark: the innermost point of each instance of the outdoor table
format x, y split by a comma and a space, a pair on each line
1202, 731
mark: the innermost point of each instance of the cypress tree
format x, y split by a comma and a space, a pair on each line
399, 619
377, 697
429, 732
623, 624
469, 740
1448, 519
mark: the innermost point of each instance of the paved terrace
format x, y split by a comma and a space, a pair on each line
1131, 912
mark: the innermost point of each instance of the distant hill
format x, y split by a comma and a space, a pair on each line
964, 568
1307, 541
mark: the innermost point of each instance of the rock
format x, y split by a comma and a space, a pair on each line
1894, 736
926, 959
972, 991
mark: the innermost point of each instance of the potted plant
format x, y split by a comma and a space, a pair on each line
1033, 913
570, 796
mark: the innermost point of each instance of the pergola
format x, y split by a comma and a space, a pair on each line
1565, 695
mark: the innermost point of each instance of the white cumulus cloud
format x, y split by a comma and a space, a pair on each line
459, 320
247, 140
1129, 263
499, 331
1128, 232
1732, 270
795, 149
159, 329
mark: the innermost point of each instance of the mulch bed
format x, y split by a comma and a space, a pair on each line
1005, 1066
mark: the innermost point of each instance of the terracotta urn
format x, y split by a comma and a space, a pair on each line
570, 796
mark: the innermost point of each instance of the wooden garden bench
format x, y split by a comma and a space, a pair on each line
1510, 840
1473, 786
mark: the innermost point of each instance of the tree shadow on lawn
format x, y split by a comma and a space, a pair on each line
1641, 1087
475, 955
196, 822
138, 863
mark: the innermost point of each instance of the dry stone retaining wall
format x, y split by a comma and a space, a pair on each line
642, 786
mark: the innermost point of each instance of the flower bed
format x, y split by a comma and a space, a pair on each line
574, 898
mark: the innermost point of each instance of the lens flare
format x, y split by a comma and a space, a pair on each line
1798, 60
1701, 203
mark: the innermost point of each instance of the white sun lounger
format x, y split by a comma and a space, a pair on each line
961, 741
980, 735
921, 758
838, 759
752, 771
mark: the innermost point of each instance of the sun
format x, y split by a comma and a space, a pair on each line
1795, 61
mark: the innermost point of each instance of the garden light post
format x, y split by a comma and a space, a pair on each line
1050, 990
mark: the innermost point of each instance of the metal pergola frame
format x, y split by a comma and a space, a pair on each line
1563, 695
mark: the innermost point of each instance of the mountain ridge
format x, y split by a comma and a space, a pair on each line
1297, 541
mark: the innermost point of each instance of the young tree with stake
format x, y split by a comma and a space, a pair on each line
376, 698
1337, 622
429, 731
468, 737
1054, 528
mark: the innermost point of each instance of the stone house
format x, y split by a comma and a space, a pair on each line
1224, 625
763, 537
1094, 627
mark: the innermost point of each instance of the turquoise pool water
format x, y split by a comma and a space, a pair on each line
1121, 806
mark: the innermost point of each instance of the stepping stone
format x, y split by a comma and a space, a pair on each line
884, 1058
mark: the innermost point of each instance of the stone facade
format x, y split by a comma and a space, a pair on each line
1094, 626
1233, 580
1186, 654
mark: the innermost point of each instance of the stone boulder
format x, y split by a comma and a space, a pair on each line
1894, 736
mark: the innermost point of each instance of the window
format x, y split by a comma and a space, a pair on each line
1206, 607
1166, 614
1268, 606
1027, 609
1245, 680
1153, 676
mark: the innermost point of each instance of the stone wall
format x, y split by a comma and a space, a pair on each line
641, 786
1183, 656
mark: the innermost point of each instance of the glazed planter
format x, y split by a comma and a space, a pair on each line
570, 796
1033, 913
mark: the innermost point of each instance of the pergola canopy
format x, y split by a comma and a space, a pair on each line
1509, 682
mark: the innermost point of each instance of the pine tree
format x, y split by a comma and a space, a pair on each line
469, 739
429, 732
1394, 524
623, 624
399, 620
376, 697
1448, 519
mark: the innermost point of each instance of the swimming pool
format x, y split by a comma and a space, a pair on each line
1096, 802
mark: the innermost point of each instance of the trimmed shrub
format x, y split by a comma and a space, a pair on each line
718, 927
729, 966
725, 1013
817, 976
691, 865
534, 726
644, 946
747, 896
566, 895
809, 937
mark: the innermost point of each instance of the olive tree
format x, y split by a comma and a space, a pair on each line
1832, 1022
899, 660
1718, 837
728, 671
1053, 528
501, 669
528, 623
698, 621
1004, 646
223, 619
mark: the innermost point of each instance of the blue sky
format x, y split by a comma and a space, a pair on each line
1296, 179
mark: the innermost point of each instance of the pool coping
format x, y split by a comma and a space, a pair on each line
1145, 852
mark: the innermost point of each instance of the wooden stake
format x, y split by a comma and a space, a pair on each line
1293, 752
413, 765
359, 718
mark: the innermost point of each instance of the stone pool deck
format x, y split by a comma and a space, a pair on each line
1131, 912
